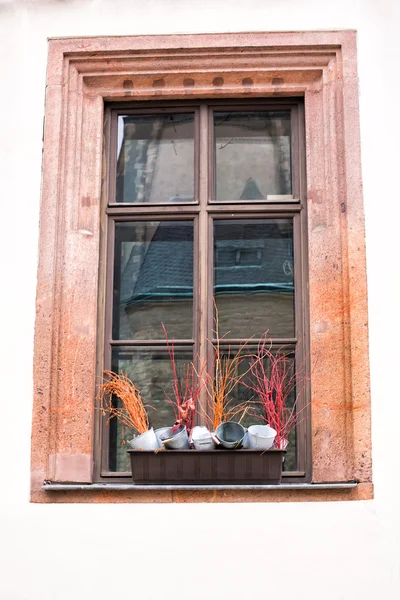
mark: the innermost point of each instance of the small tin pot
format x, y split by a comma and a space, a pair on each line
230, 434
260, 437
202, 439
159, 432
146, 441
175, 441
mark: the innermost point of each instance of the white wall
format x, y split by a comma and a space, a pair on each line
320, 550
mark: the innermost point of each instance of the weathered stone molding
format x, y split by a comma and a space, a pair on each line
85, 72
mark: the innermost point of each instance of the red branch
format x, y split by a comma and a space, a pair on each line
186, 389
274, 380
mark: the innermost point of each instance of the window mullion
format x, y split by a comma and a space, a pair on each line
299, 278
203, 253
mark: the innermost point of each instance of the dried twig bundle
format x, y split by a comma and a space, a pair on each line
132, 413
221, 384
275, 379
222, 380
186, 389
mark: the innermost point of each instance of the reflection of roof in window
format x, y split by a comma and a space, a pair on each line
167, 269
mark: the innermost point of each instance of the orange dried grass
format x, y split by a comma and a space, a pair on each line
132, 413
220, 386
221, 383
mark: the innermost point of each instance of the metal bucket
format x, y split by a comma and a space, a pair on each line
146, 441
202, 439
230, 434
175, 441
260, 437
159, 432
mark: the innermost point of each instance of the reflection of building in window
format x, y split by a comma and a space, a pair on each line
155, 158
156, 284
239, 257
157, 277
252, 151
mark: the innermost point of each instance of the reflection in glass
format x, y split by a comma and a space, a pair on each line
253, 416
150, 371
254, 277
155, 158
153, 280
252, 155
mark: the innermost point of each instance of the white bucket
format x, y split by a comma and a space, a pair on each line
146, 441
260, 437
202, 439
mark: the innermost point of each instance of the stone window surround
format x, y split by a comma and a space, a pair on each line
82, 74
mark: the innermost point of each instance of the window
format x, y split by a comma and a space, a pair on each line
86, 74
205, 208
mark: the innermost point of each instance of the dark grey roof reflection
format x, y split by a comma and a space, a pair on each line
167, 269
247, 262
253, 256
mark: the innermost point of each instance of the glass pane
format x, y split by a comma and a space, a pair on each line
150, 371
153, 280
253, 416
252, 156
155, 158
254, 277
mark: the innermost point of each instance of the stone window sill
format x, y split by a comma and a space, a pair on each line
121, 487
130, 493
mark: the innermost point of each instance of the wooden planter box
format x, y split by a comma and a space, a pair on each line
206, 467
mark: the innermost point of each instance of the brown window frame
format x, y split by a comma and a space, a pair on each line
204, 210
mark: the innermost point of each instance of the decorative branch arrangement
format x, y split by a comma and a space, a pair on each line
132, 413
272, 377
276, 384
220, 382
274, 380
221, 379
186, 390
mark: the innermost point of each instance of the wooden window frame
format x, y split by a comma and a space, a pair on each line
85, 73
204, 211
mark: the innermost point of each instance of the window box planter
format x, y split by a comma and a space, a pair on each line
207, 467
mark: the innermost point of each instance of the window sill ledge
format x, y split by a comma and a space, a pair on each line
121, 492
129, 487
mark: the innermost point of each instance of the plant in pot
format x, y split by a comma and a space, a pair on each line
277, 384
186, 389
220, 384
230, 466
128, 409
